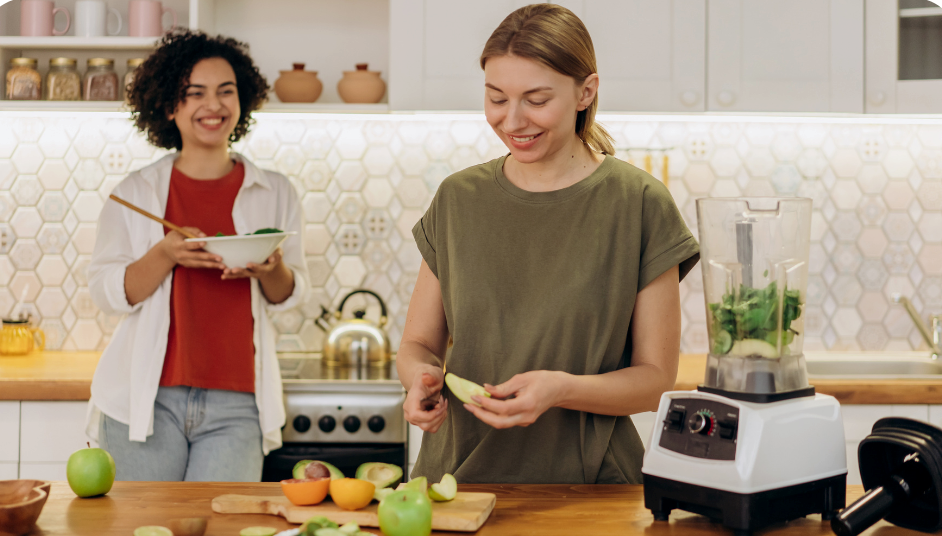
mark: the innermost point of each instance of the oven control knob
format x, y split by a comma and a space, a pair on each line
302, 423
701, 423
351, 424
327, 424
376, 424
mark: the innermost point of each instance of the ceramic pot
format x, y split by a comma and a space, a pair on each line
361, 86
298, 85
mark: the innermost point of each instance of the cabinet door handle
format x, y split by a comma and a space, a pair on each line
689, 97
726, 98
877, 97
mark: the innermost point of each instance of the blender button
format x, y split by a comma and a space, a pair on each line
727, 430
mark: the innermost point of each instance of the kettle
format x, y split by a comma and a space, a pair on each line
355, 342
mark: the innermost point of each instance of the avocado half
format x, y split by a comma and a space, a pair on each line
298, 471
382, 475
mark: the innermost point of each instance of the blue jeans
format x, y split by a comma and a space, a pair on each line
201, 435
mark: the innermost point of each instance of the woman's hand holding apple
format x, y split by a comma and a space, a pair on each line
425, 406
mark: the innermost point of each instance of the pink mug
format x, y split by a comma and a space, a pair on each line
38, 18
145, 18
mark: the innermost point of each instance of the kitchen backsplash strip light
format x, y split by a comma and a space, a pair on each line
366, 179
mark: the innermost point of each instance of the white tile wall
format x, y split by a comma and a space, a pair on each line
9, 471
9, 431
366, 179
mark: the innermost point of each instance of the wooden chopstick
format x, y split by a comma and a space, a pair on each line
155, 218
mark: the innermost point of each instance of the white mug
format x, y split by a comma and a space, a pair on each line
91, 18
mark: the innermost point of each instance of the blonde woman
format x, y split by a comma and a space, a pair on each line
555, 269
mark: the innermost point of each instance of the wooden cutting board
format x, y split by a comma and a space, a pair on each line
465, 513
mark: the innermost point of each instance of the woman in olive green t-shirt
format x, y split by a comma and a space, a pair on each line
555, 270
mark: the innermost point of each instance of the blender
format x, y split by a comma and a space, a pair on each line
754, 445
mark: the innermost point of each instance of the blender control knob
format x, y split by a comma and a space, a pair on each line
700, 423
302, 423
351, 424
326, 424
376, 424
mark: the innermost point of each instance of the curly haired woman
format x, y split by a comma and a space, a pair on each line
189, 386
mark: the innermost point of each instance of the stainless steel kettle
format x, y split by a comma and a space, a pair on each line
355, 342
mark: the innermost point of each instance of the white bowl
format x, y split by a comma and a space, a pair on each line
237, 251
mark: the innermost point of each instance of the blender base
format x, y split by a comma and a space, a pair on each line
746, 512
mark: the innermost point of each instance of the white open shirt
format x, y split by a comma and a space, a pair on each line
125, 383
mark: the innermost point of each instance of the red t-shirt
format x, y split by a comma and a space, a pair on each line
210, 344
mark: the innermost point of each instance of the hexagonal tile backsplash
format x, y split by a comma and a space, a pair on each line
365, 180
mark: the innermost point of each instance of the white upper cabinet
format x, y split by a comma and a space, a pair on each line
650, 54
792, 56
904, 56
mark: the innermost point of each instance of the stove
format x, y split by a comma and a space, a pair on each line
341, 415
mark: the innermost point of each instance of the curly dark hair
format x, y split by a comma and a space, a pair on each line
160, 83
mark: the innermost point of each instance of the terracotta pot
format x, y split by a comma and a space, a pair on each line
21, 501
361, 86
298, 85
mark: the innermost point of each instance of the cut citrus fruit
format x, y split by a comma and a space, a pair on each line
351, 493
305, 492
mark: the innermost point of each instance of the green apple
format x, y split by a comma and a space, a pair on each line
465, 389
445, 490
406, 512
90, 472
382, 475
298, 471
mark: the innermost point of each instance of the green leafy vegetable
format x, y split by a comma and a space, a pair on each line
220, 233
268, 230
754, 315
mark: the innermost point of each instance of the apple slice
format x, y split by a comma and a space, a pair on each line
465, 389
756, 347
445, 490
418, 484
381, 493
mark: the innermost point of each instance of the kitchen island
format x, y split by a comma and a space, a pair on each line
544, 510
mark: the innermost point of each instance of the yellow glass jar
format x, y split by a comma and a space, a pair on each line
18, 337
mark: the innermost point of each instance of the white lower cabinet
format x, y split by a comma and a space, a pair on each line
9, 471
43, 471
49, 433
9, 432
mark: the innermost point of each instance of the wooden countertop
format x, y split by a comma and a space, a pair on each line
47, 376
521, 509
68, 376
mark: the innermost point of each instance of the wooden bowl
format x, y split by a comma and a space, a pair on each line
21, 501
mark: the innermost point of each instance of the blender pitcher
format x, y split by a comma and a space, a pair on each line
754, 254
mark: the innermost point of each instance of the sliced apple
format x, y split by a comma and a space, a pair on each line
747, 347
417, 484
445, 490
382, 493
464, 389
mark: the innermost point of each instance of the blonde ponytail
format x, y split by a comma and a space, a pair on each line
555, 37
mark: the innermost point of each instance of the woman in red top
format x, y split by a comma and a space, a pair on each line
195, 94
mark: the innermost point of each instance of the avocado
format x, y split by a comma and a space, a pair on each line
298, 471
382, 475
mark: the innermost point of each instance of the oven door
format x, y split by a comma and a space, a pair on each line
345, 456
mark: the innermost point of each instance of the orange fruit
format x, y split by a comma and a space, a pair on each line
351, 493
305, 492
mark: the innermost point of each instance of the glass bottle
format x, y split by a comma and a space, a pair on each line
133, 64
63, 82
101, 82
23, 80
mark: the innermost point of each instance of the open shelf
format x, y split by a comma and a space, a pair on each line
67, 42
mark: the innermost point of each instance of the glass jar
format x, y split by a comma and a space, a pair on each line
18, 337
101, 82
63, 81
133, 64
23, 80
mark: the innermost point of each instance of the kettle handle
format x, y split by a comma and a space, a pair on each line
382, 304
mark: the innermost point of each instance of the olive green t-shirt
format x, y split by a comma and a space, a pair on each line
544, 281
